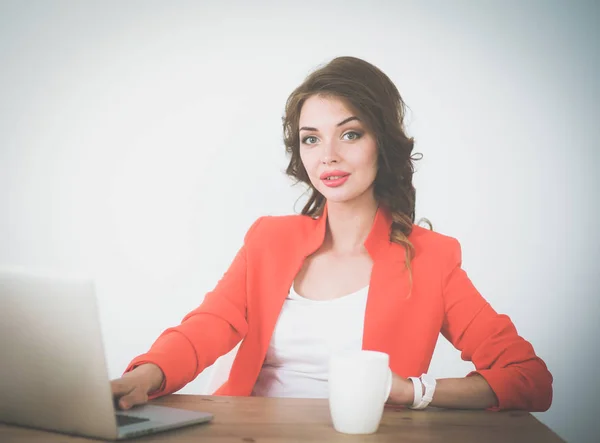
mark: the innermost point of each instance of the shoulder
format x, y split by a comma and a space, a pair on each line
277, 227
433, 244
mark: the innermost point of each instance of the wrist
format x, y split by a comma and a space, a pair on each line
424, 389
402, 391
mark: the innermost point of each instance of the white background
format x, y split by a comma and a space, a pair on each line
139, 141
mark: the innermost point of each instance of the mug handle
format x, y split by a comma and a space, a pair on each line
388, 388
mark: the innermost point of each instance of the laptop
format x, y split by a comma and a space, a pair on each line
53, 368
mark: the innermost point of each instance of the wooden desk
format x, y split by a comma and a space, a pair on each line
256, 420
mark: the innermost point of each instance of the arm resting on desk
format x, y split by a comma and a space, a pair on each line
205, 334
460, 393
506, 361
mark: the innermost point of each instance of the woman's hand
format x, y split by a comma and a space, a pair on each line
134, 386
402, 391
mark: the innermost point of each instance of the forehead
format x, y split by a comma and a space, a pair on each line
320, 110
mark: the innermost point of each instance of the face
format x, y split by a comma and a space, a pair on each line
337, 151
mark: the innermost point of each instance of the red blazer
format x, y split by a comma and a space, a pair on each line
245, 306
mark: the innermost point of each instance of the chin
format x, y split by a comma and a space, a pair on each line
343, 194
339, 196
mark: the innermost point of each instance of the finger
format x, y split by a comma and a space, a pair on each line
135, 397
120, 387
129, 401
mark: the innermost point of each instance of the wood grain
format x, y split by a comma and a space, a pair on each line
257, 420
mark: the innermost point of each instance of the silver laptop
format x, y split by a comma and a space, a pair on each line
52, 365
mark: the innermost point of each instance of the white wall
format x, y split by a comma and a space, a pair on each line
139, 140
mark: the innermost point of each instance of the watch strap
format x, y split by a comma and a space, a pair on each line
418, 391
427, 397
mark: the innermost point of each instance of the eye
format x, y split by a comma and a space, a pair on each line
352, 135
309, 140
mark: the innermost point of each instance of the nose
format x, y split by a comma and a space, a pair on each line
329, 154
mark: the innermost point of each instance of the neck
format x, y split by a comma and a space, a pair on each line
349, 224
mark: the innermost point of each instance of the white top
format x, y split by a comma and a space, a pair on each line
306, 334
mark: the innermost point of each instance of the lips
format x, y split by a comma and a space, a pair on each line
333, 179
333, 174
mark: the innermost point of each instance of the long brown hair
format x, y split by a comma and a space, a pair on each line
379, 105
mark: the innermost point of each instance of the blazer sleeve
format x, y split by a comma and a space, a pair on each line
208, 332
508, 362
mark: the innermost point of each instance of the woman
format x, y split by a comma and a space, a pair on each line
351, 272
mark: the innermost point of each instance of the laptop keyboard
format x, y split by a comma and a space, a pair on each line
124, 420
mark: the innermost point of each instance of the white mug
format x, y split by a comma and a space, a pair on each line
359, 385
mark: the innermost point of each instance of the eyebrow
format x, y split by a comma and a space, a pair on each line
343, 122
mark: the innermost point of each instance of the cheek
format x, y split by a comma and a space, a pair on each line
372, 158
366, 160
303, 160
308, 160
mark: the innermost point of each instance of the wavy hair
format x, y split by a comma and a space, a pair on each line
379, 105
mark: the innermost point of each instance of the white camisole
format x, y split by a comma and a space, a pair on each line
306, 334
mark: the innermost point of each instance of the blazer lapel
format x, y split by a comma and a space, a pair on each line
287, 269
389, 288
